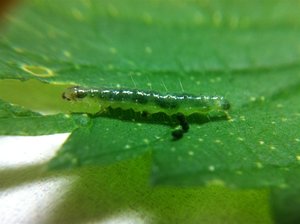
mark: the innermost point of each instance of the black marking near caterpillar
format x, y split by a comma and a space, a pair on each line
151, 102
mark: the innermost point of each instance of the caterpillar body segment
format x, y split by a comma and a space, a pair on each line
150, 102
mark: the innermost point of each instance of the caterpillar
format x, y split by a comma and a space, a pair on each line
150, 102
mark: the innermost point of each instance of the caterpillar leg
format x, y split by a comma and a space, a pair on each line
178, 133
183, 122
145, 114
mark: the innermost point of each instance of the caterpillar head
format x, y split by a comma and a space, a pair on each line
224, 104
74, 93
220, 103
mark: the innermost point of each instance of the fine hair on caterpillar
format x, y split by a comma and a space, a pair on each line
178, 105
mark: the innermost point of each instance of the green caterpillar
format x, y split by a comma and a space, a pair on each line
151, 102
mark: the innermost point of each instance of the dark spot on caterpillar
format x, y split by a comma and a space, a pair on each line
166, 104
110, 96
139, 97
116, 96
145, 114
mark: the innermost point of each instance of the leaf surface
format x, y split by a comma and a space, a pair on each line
247, 52
16, 120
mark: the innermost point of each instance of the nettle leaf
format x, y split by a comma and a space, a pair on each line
8, 110
285, 200
16, 120
247, 52
255, 148
107, 141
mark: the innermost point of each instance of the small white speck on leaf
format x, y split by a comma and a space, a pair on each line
113, 50
243, 118
239, 172
218, 141
191, 153
279, 105
259, 165
211, 168
127, 147
146, 141
148, 50
241, 139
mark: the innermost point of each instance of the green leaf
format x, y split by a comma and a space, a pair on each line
286, 200
16, 120
107, 141
125, 186
254, 149
247, 52
8, 110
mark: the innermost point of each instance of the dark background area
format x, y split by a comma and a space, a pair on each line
6, 5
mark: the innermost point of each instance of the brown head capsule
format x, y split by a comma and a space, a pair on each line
74, 93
